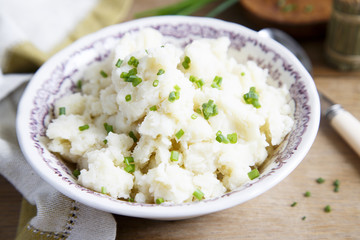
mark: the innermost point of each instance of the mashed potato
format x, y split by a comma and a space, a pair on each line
159, 123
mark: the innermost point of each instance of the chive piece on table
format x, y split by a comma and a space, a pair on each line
327, 208
293, 204
320, 180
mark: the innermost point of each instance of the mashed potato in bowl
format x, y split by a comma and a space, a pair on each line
159, 123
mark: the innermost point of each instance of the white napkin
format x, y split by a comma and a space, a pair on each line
57, 216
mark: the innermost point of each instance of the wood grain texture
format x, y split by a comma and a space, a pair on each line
270, 215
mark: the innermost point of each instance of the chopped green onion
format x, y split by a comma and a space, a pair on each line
221, 138
132, 135
327, 208
84, 127
118, 63
320, 180
209, 109
194, 116
336, 185
128, 97
161, 71
133, 61
155, 83
179, 134
153, 108
103, 190
174, 95
307, 194
186, 62
200, 83
252, 98
79, 85
159, 200
136, 81
293, 204
126, 75
76, 173
198, 194
232, 138
177, 88
62, 111
105, 141
108, 128
216, 82
174, 156
103, 74
129, 164
253, 174
197, 81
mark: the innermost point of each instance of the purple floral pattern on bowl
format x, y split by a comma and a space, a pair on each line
62, 79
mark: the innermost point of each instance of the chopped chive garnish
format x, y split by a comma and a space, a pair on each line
76, 173
303, 218
161, 71
103, 190
177, 88
129, 164
242, 74
128, 97
186, 62
155, 83
153, 108
108, 128
133, 61
132, 135
136, 81
293, 204
105, 141
179, 134
174, 156
252, 97
194, 116
198, 194
320, 180
336, 185
128, 76
62, 111
209, 109
253, 174
197, 81
103, 74
118, 63
221, 138
131, 199
172, 96
216, 82
198, 110
84, 127
232, 138
200, 83
159, 200
307, 194
79, 85
327, 208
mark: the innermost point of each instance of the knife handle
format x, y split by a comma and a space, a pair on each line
348, 128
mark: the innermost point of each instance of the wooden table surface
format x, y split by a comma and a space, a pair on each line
270, 215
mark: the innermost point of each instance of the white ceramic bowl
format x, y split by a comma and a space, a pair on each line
59, 75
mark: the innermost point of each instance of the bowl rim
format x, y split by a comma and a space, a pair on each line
164, 211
